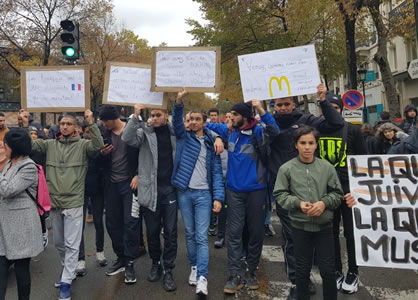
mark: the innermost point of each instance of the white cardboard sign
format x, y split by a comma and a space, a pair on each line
385, 218
279, 73
55, 88
130, 84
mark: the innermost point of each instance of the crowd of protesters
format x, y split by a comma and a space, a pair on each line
223, 176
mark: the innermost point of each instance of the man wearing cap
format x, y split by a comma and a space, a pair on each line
246, 188
334, 147
121, 181
289, 118
67, 161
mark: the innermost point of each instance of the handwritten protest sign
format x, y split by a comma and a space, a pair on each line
279, 73
128, 84
55, 88
386, 216
195, 68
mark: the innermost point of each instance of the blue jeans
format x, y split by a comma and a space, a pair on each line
196, 207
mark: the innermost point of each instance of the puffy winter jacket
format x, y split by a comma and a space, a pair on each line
187, 153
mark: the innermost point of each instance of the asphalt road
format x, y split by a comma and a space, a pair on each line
376, 283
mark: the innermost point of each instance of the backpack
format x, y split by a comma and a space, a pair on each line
42, 200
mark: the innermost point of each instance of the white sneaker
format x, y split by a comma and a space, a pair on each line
101, 259
202, 286
350, 284
80, 270
193, 276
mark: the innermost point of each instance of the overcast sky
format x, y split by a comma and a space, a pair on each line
158, 20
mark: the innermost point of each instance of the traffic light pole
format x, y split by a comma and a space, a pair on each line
416, 18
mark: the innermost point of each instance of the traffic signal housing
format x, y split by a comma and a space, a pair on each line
70, 40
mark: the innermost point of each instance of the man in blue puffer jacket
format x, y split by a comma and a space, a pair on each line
197, 174
246, 187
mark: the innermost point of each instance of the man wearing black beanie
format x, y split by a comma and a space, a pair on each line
246, 191
121, 181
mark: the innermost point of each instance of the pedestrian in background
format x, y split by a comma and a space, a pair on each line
20, 228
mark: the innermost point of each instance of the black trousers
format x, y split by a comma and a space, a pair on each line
222, 221
305, 242
97, 206
245, 207
122, 227
165, 214
22, 272
347, 215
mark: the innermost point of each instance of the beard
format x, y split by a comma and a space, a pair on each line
239, 124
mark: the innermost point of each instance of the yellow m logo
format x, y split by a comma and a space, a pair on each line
279, 83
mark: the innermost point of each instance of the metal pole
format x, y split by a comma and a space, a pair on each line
416, 17
364, 105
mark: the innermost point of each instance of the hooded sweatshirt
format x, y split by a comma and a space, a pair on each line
408, 124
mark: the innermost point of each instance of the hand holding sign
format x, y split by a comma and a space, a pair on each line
88, 116
322, 92
181, 95
350, 200
138, 108
258, 106
23, 118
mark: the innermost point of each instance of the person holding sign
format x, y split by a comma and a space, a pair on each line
246, 191
334, 148
67, 162
309, 189
156, 195
197, 174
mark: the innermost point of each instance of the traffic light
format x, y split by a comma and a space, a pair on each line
70, 40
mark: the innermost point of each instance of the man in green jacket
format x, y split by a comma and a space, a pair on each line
66, 169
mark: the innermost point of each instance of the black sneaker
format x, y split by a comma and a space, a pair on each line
219, 243
168, 281
117, 267
267, 230
292, 293
155, 273
251, 281
233, 284
212, 230
130, 276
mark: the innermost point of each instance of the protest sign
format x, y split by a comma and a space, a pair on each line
386, 216
195, 68
128, 84
55, 88
279, 73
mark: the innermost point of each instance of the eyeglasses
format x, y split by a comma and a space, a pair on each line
66, 123
156, 115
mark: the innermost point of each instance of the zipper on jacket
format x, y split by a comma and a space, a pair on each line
309, 189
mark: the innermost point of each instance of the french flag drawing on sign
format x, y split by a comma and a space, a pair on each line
73, 87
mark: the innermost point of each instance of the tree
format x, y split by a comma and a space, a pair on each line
350, 10
381, 56
243, 26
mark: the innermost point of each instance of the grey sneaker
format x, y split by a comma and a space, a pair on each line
251, 281
233, 284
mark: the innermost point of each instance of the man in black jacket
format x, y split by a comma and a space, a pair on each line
289, 118
334, 147
121, 180
410, 122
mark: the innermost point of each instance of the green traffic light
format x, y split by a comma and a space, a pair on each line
69, 52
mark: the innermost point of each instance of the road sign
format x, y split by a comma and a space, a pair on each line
352, 99
413, 69
353, 116
370, 76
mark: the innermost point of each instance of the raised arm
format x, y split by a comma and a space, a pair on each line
96, 143
133, 134
178, 124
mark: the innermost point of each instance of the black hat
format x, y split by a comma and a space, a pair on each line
244, 109
108, 112
332, 98
19, 141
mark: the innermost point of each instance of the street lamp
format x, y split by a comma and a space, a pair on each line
362, 74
